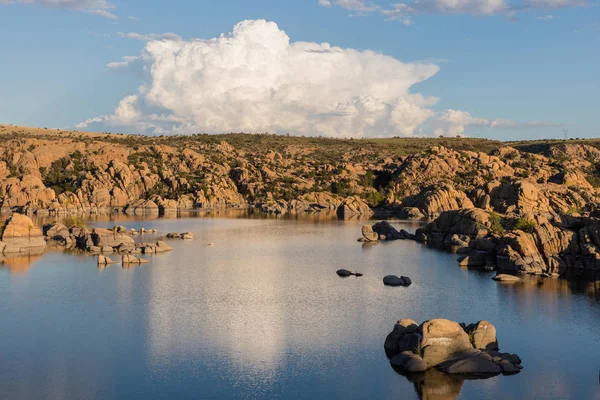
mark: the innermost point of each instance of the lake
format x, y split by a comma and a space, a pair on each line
262, 314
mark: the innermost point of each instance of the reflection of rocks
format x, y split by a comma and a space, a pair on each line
19, 264
449, 347
435, 385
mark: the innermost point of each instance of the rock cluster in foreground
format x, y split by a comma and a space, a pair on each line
18, 235
449, 347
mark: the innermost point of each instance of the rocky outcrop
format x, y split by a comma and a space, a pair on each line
531, 243
18, 234
52, 172
449, 347
354, 206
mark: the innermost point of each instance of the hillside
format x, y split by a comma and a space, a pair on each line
57, 171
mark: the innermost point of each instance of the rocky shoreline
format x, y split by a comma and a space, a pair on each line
19, 236
531, 244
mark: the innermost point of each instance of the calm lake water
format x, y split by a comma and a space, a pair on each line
262, 314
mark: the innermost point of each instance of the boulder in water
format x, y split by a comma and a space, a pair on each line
393, 280
506, 278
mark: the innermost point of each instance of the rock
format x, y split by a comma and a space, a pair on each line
474, 364
184, 235
103, 260
402, 338
409, 362
407, 280
472, 260
369, 234
129, 259
345, 273
444, 345
105, 237
441, 340
354, 206
21, 236
384, 228
483, 335
393, 280
506, 278
162, 246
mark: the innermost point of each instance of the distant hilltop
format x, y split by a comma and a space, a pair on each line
50, 171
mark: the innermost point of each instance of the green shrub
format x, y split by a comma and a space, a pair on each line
573, 210
74, 222
593, 180
496, 224
524, 224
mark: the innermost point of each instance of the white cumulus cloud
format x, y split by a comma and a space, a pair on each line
255, 80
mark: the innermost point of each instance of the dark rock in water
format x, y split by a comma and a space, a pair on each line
345, 273
449, 347
393, 280
407, 280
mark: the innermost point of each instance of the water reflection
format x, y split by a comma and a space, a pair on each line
435, 385
263, 315
19, 264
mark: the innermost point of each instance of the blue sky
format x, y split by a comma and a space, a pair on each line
507, 71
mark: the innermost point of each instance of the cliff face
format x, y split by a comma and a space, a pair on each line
50, 171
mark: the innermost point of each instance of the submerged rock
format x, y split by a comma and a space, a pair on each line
104, 260
506, 278
129, 259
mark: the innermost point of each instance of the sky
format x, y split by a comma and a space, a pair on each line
336, 68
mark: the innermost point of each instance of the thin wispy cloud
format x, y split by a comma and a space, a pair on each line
146, 37
125, 62
404, 12
98, 7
